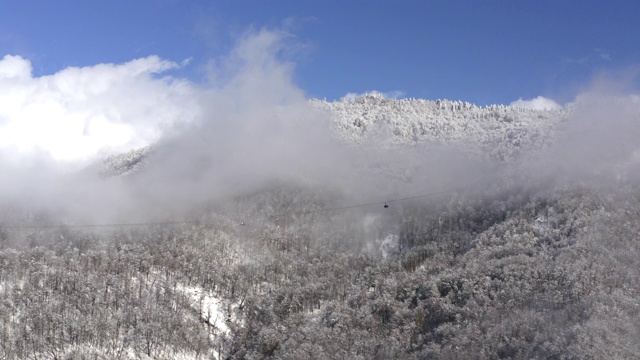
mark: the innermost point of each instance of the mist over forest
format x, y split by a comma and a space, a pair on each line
262, 224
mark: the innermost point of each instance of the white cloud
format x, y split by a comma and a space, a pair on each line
250, 125
14, 67
539, 103
395, 94
78, 113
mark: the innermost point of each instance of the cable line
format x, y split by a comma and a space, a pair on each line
57, 226
14, 227
387, 202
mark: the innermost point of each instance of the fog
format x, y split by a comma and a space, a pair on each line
598, 143
248, 125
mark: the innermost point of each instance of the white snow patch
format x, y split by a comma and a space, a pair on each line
209, 306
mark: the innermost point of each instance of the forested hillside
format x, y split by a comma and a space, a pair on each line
482, 233
497, 131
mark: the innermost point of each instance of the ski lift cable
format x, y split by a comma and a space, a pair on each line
185, 222
54, 226
387, 202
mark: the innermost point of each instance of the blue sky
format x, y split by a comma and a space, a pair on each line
479, 51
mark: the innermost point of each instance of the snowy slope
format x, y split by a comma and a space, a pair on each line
123, 164
499, 131
529, 268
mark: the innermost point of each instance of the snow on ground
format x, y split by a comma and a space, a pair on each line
497, 130
210, 307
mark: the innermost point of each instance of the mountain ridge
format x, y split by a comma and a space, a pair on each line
495, 131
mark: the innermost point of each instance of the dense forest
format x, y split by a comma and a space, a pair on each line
537, 257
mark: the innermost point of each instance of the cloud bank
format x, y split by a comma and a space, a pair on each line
77, 114
249, 125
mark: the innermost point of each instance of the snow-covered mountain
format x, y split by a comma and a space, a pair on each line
539, 260
498, 131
